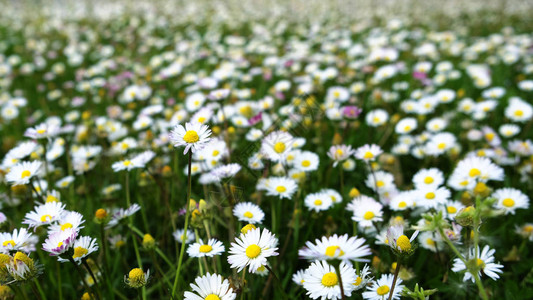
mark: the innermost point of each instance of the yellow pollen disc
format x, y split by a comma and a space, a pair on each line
124, 146
248, 215
428, 180
430, 195
65, 226
191, 137
430, 242
79, 252
332, 250
340, 152
59, 244
368, 155
383, 290
519, 113
46, 218
279, 147
480, 263
369, 215
306, 163
42, 131
51, 198
358, 281
10, 242
318, 202
216, 153
212, 297
136, 274
508, 202
25, 174
253, 251
329, 279
402, 204
376, 119
205, 248
380, 183
201, 119
407, 128
336, 94
451, 209
528, 228
489, 136
441, 146
126, 163
474, 172
261, 269
404, 243
281, 189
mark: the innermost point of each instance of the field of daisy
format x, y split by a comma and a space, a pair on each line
219, 150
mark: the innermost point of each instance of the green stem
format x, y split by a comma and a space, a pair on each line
80, 273
339, 276
396, 272
86, 265
480, 286
187, 213
451, 245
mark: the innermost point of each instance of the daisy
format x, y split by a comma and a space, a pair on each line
398, 240
381, 288
69, 219
430, 241
21, 173
212, 248
306, 161
525, 231
365, 210
479, 168
336, 247
406, 126
518, 110
19, 240
485, 262
59, 242
298, 277
318, 201
64, 182
83, 247
440, 143
340, 153
432, 197
126, 164
193, 136
136, 278
41, 131
363, 278
509, 130
426, 178
282, 187
179, 236
210, 287
376, 117
452, 208
333, 194
403, 200
226, 171
368, 152
44, 214
380, 181
510, 199
248, 212
276, 146
322, 281
252, 249
121, 214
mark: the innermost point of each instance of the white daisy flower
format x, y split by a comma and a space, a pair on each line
339, 153
282, 187
376, 117
121, 214
336, 247
59, 242
277, 145
363, 278
252, 249
518, 110
452, 208
479, 168
44, 214
430, 241
318, 201
248, 212
403, 200
398, 240
21, 173
69, 219
368, 152
83, 247
179, 236
406, 126
381, 288
298, 277
306, 161
322, 281
426, 178
64, 182
485, 261
365, 210
210, 287
19, 240
211, 248
510, 199
193, 136
333, 194
432, 197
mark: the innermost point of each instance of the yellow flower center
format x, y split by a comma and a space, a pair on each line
369, 215
59, 244
380, 183
10, 242
212, 297
480, 263
430, 195
383, 290
191, 137
318, 202
430, 242
281, 189
340, 152
451, 209
261, 269
332, 250
508, 202
253, 251
216, 153
205, 248
402, 204
248, 215
25, 174
306, 163
65, 226
247, 228
474, 172
46, 218
404, 243
136, 274
126, 163
51, 198
358, 281
428, 180
329, 279
279, 147
41, 131
79, 252
407, 128
441, 146
518, 113
201, 119
368, 155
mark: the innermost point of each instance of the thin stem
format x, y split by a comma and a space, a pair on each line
396, 272
243, 283
60, 289
480, 286
187, 213
81, 275
338, 271
86, 265
450, 244
34, 290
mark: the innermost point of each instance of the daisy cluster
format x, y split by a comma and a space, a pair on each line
274, 149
